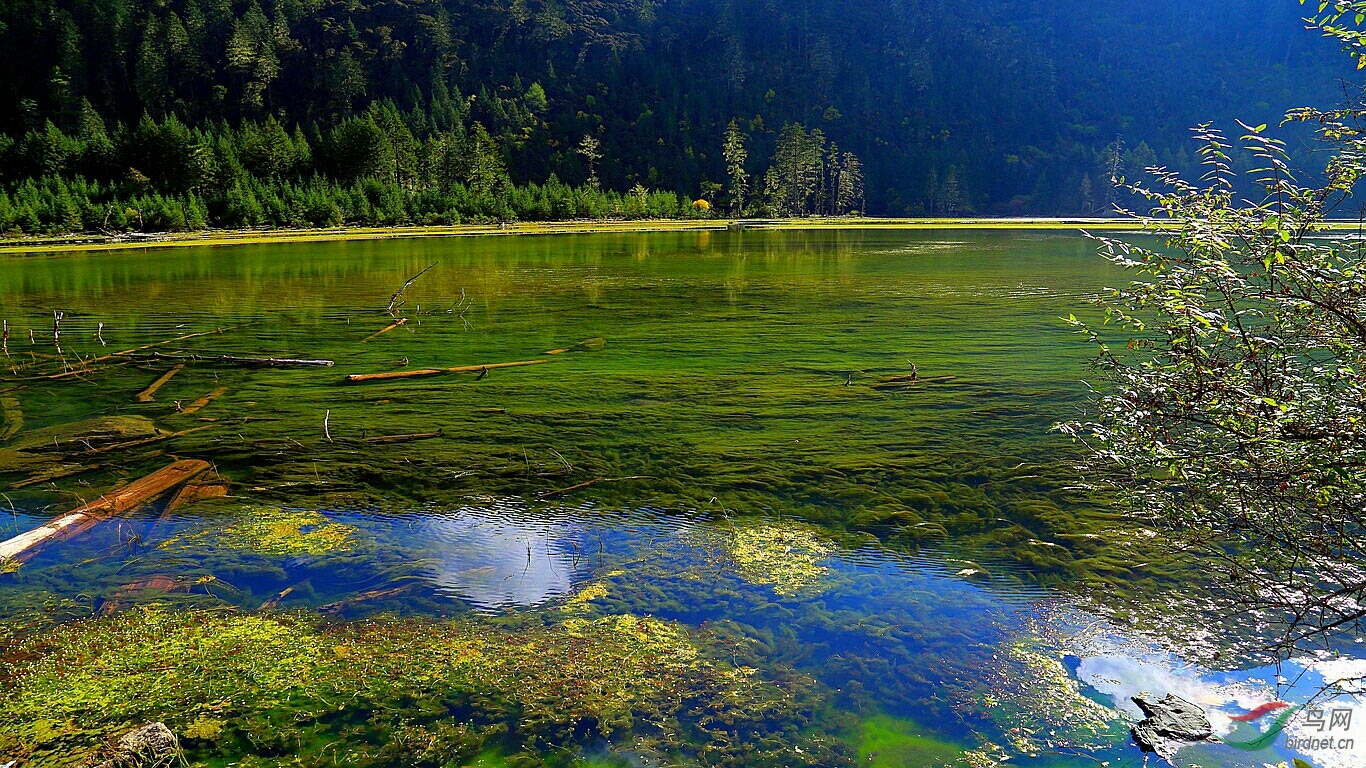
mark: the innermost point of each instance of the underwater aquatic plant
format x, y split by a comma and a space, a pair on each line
270, 531
788, 556
236, 684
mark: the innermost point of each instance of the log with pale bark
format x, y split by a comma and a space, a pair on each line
125, 499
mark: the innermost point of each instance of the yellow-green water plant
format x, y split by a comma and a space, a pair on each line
269, 531
236, 684
788, 556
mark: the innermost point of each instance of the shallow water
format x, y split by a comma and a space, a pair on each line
899, 568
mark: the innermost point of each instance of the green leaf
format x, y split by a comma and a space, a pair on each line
1303, 763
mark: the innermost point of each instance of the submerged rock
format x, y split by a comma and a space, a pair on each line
1171, 722
148, 746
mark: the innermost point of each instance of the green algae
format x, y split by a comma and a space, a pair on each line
739, 374
269, 531
787, 556
1038, 705
226, 680
892, 742
741, 379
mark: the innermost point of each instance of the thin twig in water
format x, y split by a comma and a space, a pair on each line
548, 494
394, 300
327, 432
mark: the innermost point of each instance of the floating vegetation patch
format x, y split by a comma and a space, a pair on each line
233, 684
1039, 706
788, 556
271, 531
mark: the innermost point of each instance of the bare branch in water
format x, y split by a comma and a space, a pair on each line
394, 301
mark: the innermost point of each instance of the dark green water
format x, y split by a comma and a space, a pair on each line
895, 571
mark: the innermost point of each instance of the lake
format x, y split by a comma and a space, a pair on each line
752, 498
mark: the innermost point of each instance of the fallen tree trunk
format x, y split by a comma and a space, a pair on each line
127, 498
251, 362
421, 372
85, 364
148, 395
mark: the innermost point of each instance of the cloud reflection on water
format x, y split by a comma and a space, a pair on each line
500, 557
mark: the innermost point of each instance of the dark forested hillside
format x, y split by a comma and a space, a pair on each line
997, 107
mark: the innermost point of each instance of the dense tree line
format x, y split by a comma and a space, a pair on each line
1002, 106
367, 169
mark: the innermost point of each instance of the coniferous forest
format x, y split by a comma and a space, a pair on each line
154, 115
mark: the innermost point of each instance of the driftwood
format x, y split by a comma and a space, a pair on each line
273, 602
594, 343
11, 417
148, 395
142, 442
199, 404
127, 498
392, 326
394, 300
420, 372
87, 363
250, 362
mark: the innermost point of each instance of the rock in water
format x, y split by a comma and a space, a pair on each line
1171, 722
148, 746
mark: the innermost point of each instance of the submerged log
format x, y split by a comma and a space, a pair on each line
192, 492
249, 362
148, 395
58, 472
127, 498
199, 404
145, 441
274, 602
356, 378
399, 322
375, 594
87, 363
594, 344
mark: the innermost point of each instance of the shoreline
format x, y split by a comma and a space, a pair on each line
209, 238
